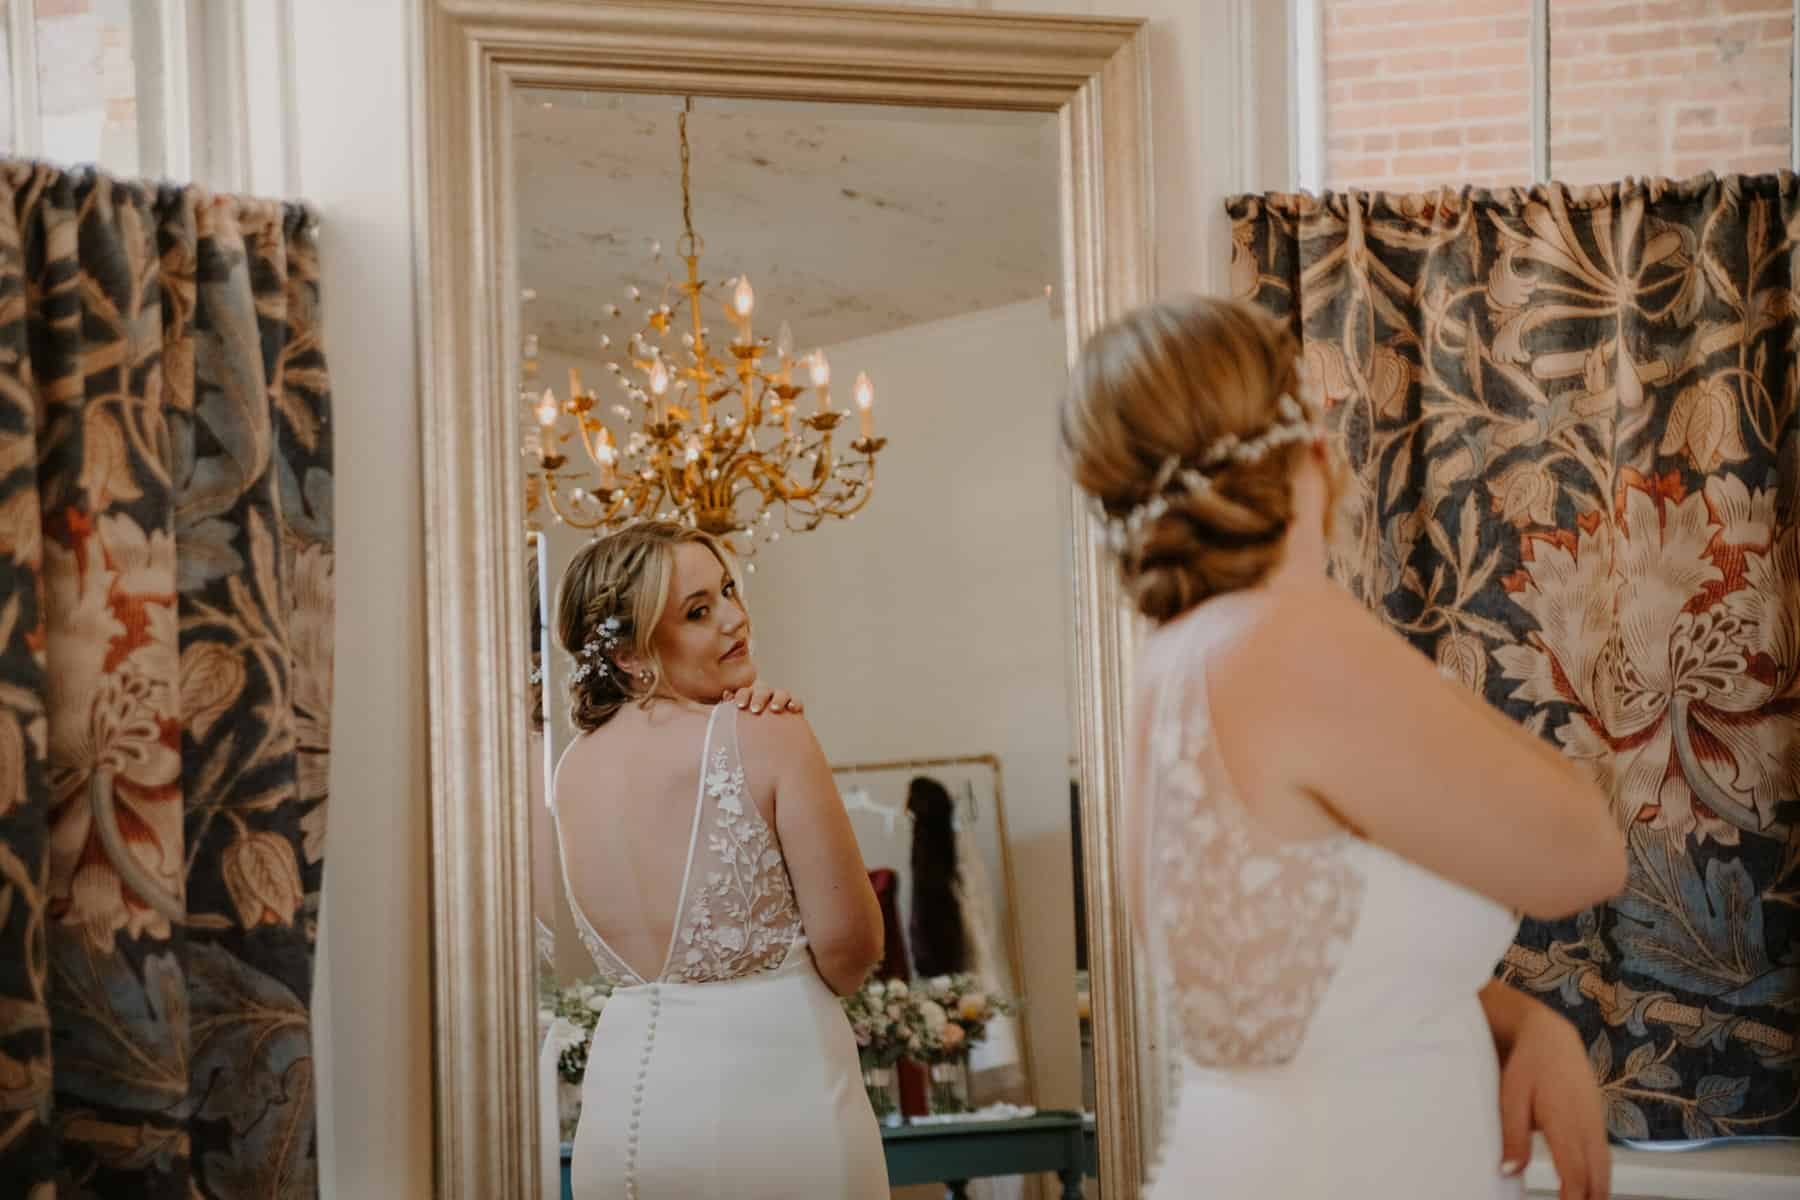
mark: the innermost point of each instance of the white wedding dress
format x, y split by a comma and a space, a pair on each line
732, 1072
1325, 1037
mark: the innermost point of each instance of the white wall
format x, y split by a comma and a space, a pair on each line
935, 624
373, 1005
354, 81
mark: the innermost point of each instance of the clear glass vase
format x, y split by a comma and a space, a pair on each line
568, 1108
949, 1090
883, 1086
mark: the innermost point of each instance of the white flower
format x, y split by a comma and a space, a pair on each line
896, 987
565, 1034
725, 786
934, 1015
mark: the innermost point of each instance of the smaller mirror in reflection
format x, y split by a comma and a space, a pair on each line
933, 833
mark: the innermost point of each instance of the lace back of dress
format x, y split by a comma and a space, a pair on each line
739, 916
1245, 930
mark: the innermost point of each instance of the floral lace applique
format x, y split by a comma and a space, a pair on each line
742, 916
1247, 931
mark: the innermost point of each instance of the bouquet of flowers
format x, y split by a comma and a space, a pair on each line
885, 1020
573, 1012
954, 1011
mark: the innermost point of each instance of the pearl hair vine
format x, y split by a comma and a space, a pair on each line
1178, 478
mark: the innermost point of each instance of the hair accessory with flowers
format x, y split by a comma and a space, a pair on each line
1295, 424
593, 656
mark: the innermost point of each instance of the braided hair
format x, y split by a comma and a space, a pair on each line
611, 600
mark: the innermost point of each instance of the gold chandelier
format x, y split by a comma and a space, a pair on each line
720, 444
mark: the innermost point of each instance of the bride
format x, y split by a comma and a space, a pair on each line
716, 881
1327, 841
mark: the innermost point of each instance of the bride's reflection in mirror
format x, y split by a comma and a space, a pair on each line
793, 955
721, 895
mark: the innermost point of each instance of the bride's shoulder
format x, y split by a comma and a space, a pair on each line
777, 741
1260, 638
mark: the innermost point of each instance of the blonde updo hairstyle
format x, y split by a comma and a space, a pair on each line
1171, 380
624, 575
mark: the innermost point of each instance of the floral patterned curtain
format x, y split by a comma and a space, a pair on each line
1571, 414
165, 688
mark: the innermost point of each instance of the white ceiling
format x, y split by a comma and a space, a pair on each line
849, 220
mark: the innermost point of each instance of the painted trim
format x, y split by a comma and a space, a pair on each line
269, 139
28, 125
1540, 91
177, 89
1307, 64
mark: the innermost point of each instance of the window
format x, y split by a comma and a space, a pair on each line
88, 84
158, 88
1674, 87
1408, 96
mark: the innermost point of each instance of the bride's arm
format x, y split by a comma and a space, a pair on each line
1546, 1084
837, 903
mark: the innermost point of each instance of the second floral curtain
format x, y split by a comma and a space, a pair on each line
1572, 417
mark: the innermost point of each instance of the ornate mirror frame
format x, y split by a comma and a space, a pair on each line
473, 55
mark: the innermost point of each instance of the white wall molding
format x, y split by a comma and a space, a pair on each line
21, 37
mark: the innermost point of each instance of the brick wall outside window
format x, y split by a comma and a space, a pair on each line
1419, 94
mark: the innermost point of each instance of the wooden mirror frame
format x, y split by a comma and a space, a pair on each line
473, 56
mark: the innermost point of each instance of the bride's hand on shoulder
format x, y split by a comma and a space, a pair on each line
1546, 1085
760, 697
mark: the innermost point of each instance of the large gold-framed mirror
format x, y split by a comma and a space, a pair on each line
1077, 87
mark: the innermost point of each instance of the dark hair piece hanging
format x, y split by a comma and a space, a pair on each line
939, 944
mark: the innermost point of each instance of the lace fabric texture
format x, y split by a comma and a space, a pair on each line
1245, 930
741, 918
736, 915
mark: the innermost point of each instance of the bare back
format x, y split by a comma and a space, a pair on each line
669, 852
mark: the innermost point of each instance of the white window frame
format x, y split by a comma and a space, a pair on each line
1307, 55
222, 113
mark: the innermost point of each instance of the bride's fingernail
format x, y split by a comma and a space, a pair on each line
1511, 1167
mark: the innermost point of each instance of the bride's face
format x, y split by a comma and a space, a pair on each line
703, 638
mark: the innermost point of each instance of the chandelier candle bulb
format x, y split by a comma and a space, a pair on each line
865, 404
821, 380
743, 300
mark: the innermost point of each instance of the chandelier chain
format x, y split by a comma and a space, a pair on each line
687, 204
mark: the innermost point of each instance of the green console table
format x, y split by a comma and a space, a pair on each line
1059, 1143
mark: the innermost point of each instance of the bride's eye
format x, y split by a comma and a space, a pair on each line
698, 613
